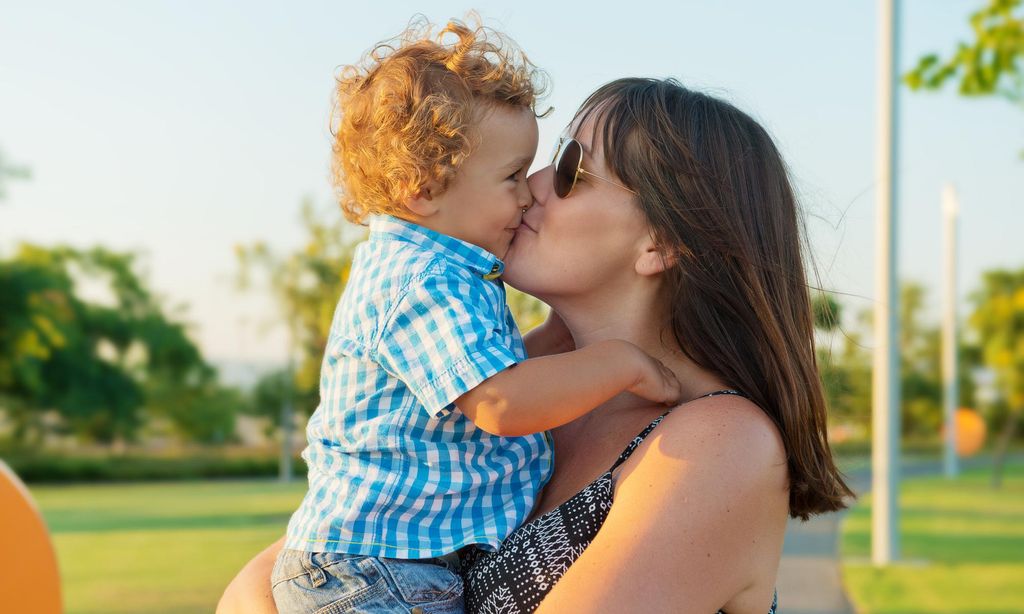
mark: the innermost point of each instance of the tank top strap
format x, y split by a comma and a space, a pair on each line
650, 427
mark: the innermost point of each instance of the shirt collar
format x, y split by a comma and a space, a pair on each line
473, 257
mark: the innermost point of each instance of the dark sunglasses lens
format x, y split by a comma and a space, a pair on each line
565, 167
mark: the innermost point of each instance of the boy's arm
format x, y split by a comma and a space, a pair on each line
546, 392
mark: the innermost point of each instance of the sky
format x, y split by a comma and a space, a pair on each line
182, 129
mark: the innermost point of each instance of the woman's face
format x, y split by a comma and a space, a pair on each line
583, 244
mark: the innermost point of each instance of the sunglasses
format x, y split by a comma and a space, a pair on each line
568, 163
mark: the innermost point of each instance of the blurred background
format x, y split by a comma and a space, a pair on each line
171, 254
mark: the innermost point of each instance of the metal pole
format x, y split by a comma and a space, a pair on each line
885, 411
950, 211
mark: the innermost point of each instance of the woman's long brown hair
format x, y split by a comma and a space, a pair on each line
717, 196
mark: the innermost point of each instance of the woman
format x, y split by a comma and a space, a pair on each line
667, 220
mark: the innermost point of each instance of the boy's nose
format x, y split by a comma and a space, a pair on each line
525, 196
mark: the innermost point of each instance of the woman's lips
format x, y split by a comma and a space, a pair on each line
523, 224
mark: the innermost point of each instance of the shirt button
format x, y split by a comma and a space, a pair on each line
494, 272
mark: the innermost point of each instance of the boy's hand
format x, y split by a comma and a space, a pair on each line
655, 381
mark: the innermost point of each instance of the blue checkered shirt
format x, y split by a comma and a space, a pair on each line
395, 469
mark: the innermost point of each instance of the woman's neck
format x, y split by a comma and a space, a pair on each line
636, 324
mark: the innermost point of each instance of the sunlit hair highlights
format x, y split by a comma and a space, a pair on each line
405, 115
717, 197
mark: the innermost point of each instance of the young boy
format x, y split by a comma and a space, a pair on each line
427, 439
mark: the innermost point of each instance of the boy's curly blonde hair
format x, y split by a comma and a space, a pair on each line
404, 114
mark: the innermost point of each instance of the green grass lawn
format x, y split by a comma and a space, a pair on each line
962, 549
159, 547
173, 547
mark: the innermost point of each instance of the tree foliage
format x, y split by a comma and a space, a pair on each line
306, 285
998, 319
920, 364
845, 362
827, 311
271, 393
99, 364
987, 65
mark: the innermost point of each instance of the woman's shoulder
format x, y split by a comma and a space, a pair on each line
703, 503
727, 435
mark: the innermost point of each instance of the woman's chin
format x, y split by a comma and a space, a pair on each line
519, 272
511, 275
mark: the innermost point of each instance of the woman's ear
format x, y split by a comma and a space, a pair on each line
653, 260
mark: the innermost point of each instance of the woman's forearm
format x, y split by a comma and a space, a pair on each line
249, 592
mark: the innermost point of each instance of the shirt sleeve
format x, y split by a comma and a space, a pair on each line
443, 339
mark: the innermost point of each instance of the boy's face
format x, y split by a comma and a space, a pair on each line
484, 203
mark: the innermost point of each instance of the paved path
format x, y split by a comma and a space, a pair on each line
809, 577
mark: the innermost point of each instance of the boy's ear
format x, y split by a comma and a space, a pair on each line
423, 204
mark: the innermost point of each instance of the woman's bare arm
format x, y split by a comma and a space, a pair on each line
249, 592
698, 521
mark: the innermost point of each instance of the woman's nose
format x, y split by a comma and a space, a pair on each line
540, 184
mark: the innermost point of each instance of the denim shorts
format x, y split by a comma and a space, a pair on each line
336, 583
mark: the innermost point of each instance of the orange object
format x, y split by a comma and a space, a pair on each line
970, 432
29, 581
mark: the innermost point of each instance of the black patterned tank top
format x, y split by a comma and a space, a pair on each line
517, 577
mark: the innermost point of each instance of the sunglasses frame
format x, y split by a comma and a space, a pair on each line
563, 143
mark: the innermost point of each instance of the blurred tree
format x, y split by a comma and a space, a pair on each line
987, 65
270, 394
998, 319
827, 311
200, 409
844, 364
920, 366
36, 311
98, 363
306, 285
846, 367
